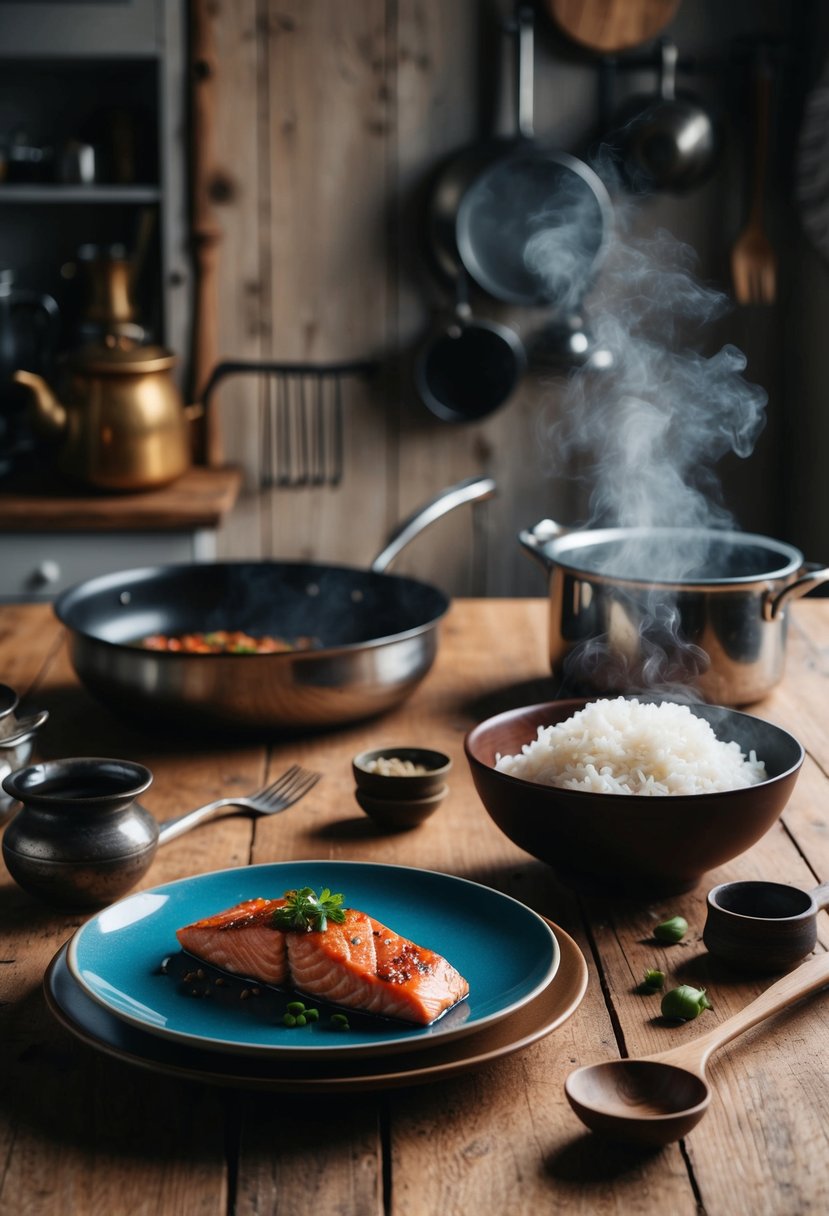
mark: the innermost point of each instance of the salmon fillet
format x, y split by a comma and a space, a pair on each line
359, 963
241, 940
364, 965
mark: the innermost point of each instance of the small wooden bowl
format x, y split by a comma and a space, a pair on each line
400, 813
408, 786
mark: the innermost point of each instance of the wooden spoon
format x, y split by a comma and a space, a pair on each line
659, 1098
612, 25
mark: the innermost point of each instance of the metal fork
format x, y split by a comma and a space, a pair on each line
286, 790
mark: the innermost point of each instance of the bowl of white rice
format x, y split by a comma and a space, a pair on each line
642, 793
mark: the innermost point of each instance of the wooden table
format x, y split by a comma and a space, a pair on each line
81, 1132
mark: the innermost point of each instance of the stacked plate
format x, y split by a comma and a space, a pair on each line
123, 986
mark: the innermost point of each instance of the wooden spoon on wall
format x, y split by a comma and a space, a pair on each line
612, 25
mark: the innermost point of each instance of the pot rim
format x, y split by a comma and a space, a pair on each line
560, 551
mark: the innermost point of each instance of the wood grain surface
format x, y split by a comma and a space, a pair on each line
81, 1132
201, 498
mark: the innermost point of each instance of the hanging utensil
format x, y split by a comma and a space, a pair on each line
300, 418
612, 25
665, 142
528, 224
468, 368
753, 260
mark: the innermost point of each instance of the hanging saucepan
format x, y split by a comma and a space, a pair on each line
468, 367
667, 141
529, 224
633, 609
374, 637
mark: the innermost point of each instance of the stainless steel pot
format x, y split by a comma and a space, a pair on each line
377, 633
623, 618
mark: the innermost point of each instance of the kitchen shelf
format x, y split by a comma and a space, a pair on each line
79, 194
53, 535
200, 498
113, 75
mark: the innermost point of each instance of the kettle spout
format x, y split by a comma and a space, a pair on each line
49, 415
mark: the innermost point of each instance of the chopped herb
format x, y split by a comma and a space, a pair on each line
306, 910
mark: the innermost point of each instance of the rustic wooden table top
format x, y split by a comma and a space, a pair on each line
83, 1132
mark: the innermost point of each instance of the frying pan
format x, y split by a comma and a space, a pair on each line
468, 367
377, 635
528, 224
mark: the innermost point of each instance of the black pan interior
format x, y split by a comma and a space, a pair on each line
336, 605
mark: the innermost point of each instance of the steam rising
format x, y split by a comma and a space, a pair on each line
649, 429
652, 425
655, 423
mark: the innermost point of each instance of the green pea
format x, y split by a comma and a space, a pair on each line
295, 1007
339, 1021
312, 1015
300, 1020
289, 1020
684, 1003
672, 930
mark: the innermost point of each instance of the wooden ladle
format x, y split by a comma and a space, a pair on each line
657, 1099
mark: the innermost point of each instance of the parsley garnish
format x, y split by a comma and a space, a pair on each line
306, 910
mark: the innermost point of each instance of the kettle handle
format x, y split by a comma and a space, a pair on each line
534, 540
813, 575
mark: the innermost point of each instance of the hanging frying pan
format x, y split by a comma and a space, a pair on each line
528, 224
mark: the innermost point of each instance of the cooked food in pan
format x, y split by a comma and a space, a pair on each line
225, 641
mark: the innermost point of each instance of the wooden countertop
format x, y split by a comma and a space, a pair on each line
200, 498
84, 1132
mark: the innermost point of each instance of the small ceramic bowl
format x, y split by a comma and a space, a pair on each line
400, 813
408, 786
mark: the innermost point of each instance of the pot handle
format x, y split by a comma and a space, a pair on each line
813, 576
534, 540
473, 489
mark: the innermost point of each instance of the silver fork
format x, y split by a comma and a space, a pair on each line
286, 790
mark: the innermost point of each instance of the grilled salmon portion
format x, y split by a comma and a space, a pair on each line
241, 940
355, 961
364, 965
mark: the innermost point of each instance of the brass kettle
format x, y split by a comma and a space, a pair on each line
123, 426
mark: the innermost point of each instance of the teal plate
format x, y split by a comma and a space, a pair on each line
507, 953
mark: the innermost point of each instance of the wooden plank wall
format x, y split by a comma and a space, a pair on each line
332, 116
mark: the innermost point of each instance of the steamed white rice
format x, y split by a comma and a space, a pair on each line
624, 746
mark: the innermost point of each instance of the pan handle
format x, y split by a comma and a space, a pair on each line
525, 49
473, 489
534, 540
812, 575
